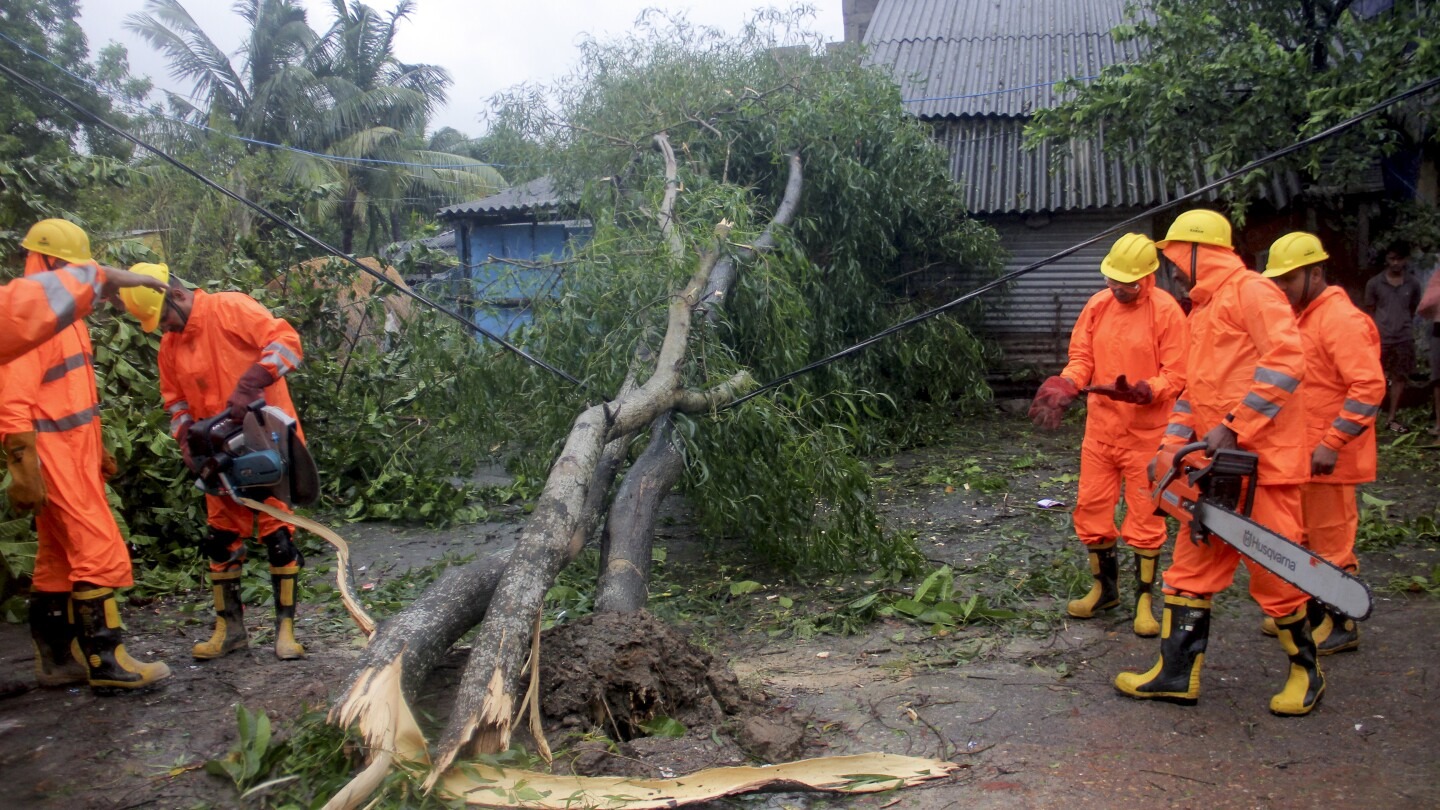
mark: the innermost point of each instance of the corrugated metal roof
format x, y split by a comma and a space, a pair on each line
535, 195
963, 57
997, 175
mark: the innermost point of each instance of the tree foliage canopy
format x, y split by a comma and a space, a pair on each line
1226, 81
782, 470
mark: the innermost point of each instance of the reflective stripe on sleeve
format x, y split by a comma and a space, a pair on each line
1260, 405
1180, 430
1182, 406
280, 357
1278, 379
66, 366
64, 423
1347, 426
178, 423
1359, 408
62, 303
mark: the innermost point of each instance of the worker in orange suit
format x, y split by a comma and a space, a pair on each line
35, 308
1128, 331
1344, 388
50, 421
1242, 391
223, 352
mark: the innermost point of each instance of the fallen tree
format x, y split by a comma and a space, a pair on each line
706, 158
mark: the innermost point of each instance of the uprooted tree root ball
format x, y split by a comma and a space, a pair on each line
617, 674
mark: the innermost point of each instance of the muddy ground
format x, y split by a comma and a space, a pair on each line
1023, 704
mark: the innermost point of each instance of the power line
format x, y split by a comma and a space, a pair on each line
300, 232
1119, 226
134, 110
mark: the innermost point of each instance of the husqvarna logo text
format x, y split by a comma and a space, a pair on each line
1250, 541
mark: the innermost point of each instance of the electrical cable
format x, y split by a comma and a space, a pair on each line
1011, 276
132, 110
296, 230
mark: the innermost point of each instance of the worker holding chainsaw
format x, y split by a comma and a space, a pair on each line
1245, 365
223, 358
1344, 389
50, 421
1128, 352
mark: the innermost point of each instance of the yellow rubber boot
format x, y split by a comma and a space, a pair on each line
58, 661
1267, 626
283, 578
1175, 678
1341, 633
1305, 683
229, 634
1147, 560
1104, 592
102, 639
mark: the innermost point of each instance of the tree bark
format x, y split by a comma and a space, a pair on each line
630, 527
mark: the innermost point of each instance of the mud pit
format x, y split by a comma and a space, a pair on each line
1025, 706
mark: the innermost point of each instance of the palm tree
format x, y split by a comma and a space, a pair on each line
379, 107
264, 98
355, 112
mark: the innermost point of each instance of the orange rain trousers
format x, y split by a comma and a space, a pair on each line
35, 308
1103, 468
1203, 570
228, 516
1331, 520
51, 391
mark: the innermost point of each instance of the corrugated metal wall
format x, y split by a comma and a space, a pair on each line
498, 293
1032, 323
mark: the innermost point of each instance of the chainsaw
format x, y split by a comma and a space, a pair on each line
258, 456
1215, 500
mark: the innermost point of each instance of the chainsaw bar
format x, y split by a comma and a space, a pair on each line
1291, 562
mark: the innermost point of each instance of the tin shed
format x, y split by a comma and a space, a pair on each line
508, 245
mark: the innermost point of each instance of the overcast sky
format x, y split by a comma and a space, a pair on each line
486, 46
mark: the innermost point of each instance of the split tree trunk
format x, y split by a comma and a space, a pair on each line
565, 515
630, 528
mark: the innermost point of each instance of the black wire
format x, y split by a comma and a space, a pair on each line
300, 232
1008, 277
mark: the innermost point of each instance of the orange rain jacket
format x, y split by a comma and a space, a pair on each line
35, 308
1344, 385
1145, 340
1245, 366
51, 390
226, 334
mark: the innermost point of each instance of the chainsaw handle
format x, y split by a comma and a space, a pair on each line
1176, 466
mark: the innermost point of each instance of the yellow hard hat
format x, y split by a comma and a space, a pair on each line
1200, 225
60, 238
1292, 251
1130, 259
142, 302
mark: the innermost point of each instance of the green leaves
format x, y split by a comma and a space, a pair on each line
252, 756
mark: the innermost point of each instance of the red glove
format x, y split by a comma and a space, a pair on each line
1122, 391
1054, 396
249, 388
108, 467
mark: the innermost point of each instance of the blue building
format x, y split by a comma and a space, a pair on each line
507, 245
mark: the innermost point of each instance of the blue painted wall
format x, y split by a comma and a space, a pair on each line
500, 291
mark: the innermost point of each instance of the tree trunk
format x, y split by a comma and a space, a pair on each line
564, 516
630, 528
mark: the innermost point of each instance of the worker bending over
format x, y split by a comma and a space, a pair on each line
223, 352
